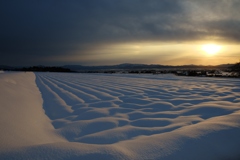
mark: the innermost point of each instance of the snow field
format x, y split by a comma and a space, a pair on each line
119, 116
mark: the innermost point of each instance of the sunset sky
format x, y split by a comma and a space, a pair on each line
107, 32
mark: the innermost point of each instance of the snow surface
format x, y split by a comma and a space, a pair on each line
118, 116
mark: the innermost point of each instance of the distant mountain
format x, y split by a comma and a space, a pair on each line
124, 66
235, 67
129, 66
225, 65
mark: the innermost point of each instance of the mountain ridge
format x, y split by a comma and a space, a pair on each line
123, 66
130, 66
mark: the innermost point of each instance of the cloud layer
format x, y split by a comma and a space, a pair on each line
39, 30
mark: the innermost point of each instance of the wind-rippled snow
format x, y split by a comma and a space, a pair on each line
124, 116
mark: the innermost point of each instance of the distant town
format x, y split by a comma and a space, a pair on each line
225, 70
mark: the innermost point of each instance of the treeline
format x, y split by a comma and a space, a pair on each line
45, 69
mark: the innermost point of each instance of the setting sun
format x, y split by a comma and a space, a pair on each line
211, 49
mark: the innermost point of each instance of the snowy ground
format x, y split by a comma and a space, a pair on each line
103, 116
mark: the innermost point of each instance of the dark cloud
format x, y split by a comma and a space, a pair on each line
38, 29
227, 28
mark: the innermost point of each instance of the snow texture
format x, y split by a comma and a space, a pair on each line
72, 116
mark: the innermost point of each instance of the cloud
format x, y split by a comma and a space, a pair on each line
58, 27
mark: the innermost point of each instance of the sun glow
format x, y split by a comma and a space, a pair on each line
211, 49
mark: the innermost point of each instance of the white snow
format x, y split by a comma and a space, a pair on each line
118, 116
23, 121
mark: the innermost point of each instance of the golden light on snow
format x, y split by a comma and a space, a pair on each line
211, 49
